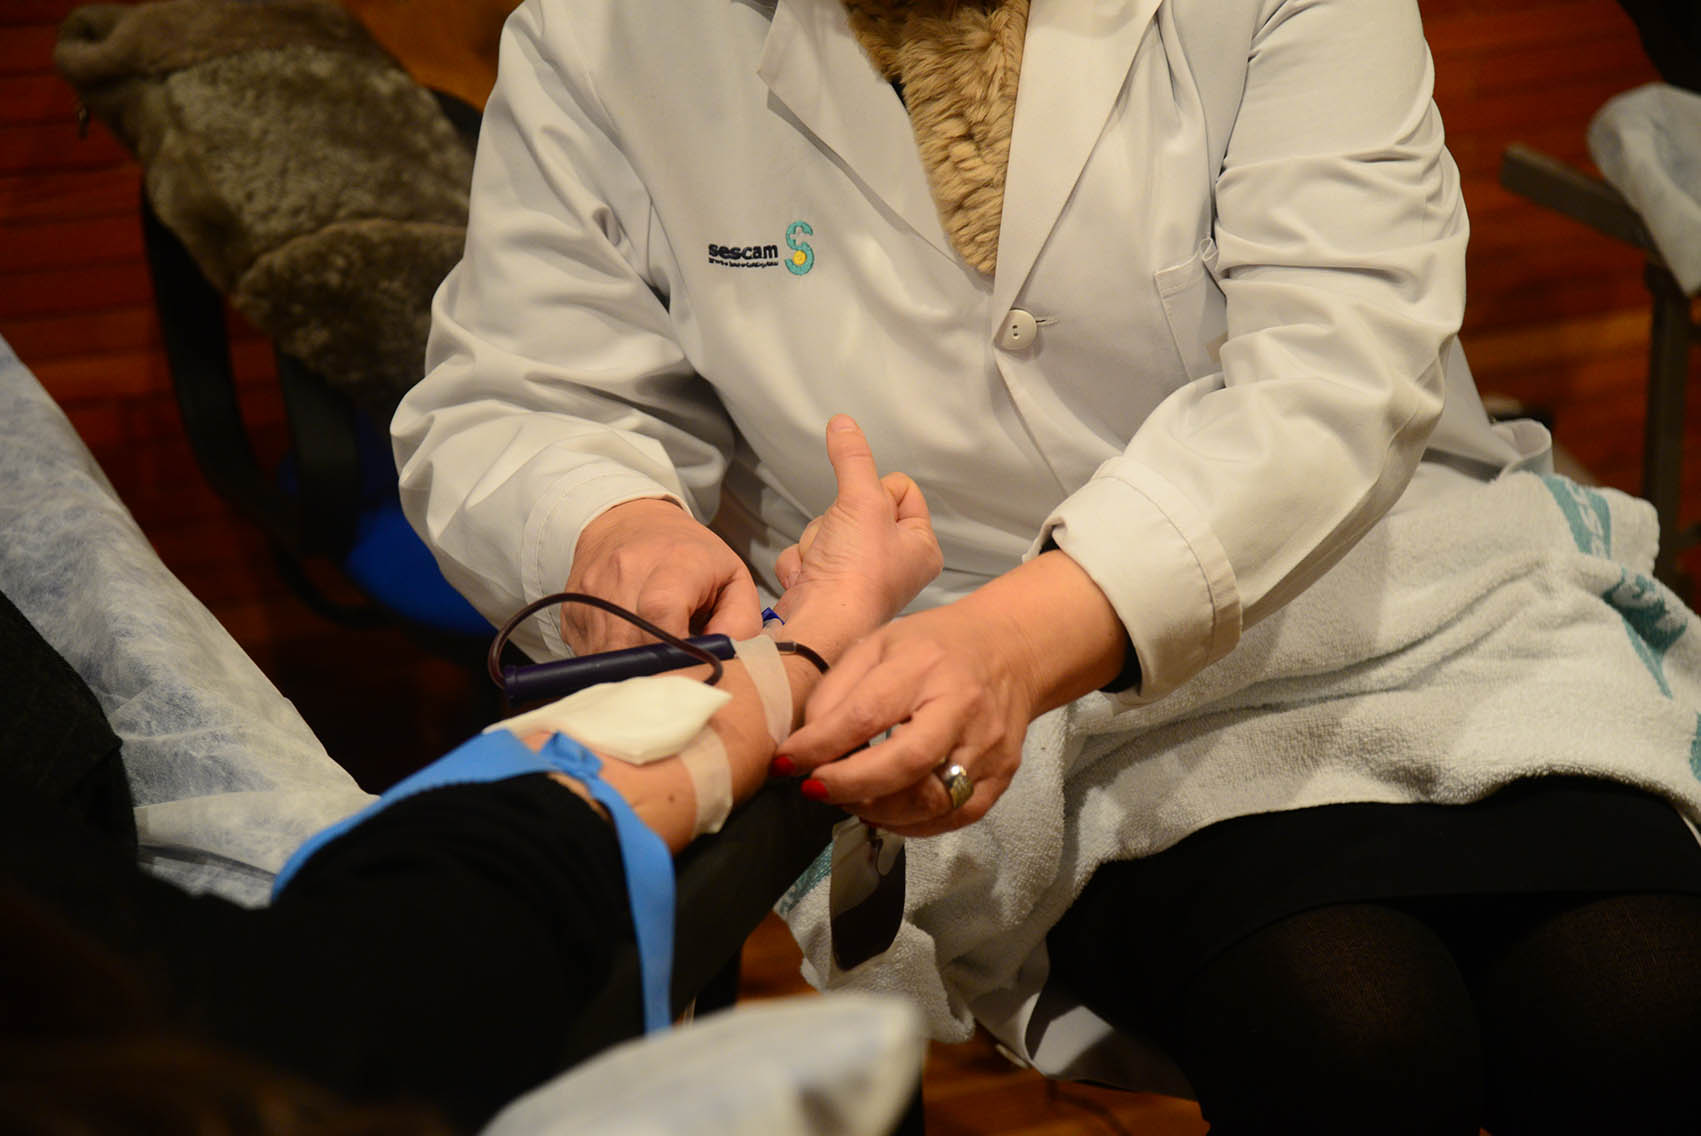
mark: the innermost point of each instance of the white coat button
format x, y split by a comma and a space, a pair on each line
1019, 330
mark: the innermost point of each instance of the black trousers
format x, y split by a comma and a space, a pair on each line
1311, 974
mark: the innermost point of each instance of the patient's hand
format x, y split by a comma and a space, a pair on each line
873, 549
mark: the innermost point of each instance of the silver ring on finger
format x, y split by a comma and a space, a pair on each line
958, 784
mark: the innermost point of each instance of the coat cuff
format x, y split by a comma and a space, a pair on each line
1162, 569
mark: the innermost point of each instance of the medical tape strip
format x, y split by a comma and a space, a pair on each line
761, 659
705, 759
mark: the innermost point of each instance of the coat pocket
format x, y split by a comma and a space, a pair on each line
1195, 309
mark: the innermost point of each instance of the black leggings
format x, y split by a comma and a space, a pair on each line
1522, 1014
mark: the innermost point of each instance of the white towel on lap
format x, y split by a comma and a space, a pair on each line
1495, 632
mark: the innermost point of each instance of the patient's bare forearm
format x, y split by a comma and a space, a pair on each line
661, 793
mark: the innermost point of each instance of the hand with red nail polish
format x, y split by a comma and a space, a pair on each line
960, 683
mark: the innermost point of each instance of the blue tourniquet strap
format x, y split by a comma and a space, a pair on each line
499, 755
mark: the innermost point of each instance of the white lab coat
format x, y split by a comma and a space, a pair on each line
1230, 268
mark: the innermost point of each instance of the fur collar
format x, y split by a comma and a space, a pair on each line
958, 62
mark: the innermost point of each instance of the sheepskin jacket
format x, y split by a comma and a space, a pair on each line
314, 182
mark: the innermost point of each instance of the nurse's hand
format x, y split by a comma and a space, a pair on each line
960, 683
652, 557
949, 681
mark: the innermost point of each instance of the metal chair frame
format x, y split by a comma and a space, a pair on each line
1590, 200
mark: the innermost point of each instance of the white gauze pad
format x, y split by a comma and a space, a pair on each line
761, 659
637, 720
711, 779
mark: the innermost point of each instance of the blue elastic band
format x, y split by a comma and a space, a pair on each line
499, 755
769, 615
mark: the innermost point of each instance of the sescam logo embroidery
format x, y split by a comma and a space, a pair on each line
747, 256
800, 260
802, 256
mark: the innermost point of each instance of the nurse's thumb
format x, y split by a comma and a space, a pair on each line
736, 609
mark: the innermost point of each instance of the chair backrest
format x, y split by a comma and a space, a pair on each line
326, 205
1594, 202
317, 519
335, 498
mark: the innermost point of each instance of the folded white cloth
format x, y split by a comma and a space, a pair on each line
227, 778
1486, 633
1648, 144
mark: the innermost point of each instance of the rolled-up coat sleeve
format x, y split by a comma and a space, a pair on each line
1340, 233
554, 388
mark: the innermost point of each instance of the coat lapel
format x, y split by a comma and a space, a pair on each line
814, 67
1074, 64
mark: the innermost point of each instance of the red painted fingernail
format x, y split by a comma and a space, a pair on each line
782, 767
814, 790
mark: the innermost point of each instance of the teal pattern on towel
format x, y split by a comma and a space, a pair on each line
1650, 617
1695, 749
1586, 512
812, 875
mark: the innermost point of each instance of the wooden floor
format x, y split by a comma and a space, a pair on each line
1557, 318
971, 1089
